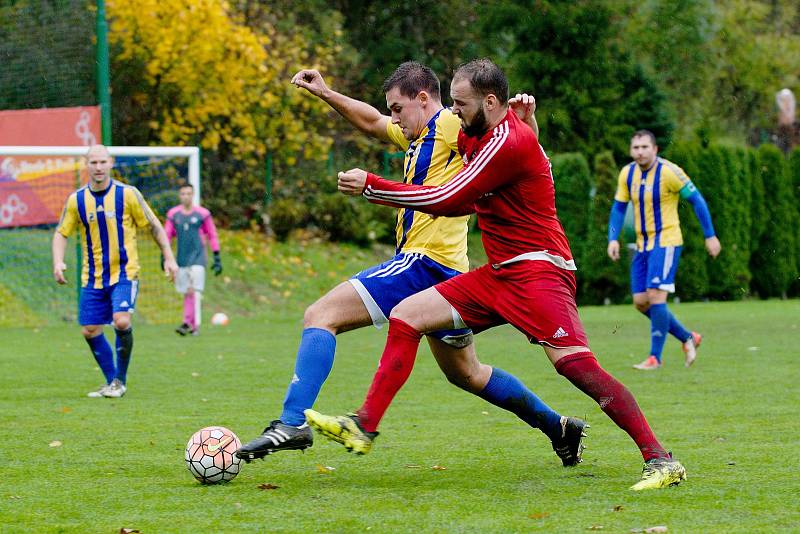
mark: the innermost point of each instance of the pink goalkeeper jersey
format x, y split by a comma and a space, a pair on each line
193, 229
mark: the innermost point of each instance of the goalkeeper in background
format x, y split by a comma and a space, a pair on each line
108, 213
194, 227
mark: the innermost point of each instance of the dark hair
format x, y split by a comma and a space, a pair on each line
411, 78
645, 133
485, 78
190, 186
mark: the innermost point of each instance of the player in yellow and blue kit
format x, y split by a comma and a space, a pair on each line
654, 186
108, 213
429, 250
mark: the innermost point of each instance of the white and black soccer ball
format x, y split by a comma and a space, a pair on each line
210, 455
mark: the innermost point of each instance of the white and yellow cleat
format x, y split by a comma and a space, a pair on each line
660, 473
344, 429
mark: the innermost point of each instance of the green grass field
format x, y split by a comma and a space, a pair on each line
732, 419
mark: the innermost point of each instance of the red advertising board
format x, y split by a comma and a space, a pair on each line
33, 188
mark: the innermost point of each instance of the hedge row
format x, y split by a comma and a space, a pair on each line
753, 198
752, 194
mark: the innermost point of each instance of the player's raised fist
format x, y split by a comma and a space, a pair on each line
523, 104
310, 80
352, 182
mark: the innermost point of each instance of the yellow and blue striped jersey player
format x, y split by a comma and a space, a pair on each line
107, 213
653, 186
429, 250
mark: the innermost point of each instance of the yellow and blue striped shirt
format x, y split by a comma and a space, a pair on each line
109, 220
432, 159
654, 194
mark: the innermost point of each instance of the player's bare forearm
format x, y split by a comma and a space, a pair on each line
161, 239
534, 125
360, 114
59, 248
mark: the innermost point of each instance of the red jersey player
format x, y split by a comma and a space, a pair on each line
529, 281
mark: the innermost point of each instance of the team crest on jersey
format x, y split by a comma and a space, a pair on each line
110, 214
91, 216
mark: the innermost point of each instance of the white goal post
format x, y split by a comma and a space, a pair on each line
190, 152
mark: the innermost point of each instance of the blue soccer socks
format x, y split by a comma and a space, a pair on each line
508, 392
311, 369
659, 328
675, 327
103, 355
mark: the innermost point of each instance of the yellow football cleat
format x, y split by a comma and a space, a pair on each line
344, 429
660, 473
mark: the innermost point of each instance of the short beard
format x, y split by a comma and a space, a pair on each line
478, 127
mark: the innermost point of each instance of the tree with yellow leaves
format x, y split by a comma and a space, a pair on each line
193, 72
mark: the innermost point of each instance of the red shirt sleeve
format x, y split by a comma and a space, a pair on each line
488, 170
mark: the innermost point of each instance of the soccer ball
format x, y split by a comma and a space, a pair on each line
209, 455
219, 319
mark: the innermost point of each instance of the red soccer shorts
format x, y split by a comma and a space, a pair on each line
535, 297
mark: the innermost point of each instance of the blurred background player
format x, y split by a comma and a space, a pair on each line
429, 250
108, 212
529, 281
654, 186
194, 227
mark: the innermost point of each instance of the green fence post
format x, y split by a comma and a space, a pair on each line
103, 75
78, 250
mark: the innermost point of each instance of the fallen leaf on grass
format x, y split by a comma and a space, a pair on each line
324, 469
55, 443
484, 413
617, 508
438, 467
412, 466
651, 530
124, 530
66, 409
195, 374
267, 486
595, 527
14, 497
538, 515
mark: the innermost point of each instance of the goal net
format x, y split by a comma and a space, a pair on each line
35, 182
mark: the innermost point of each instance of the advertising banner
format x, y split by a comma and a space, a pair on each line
33, 189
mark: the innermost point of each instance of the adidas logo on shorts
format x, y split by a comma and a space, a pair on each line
560, 333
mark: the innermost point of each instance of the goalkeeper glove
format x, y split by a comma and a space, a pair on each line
217, 267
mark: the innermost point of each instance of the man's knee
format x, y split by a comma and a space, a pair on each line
642, 305
408, 313
314, 314
122, 322
90, 331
